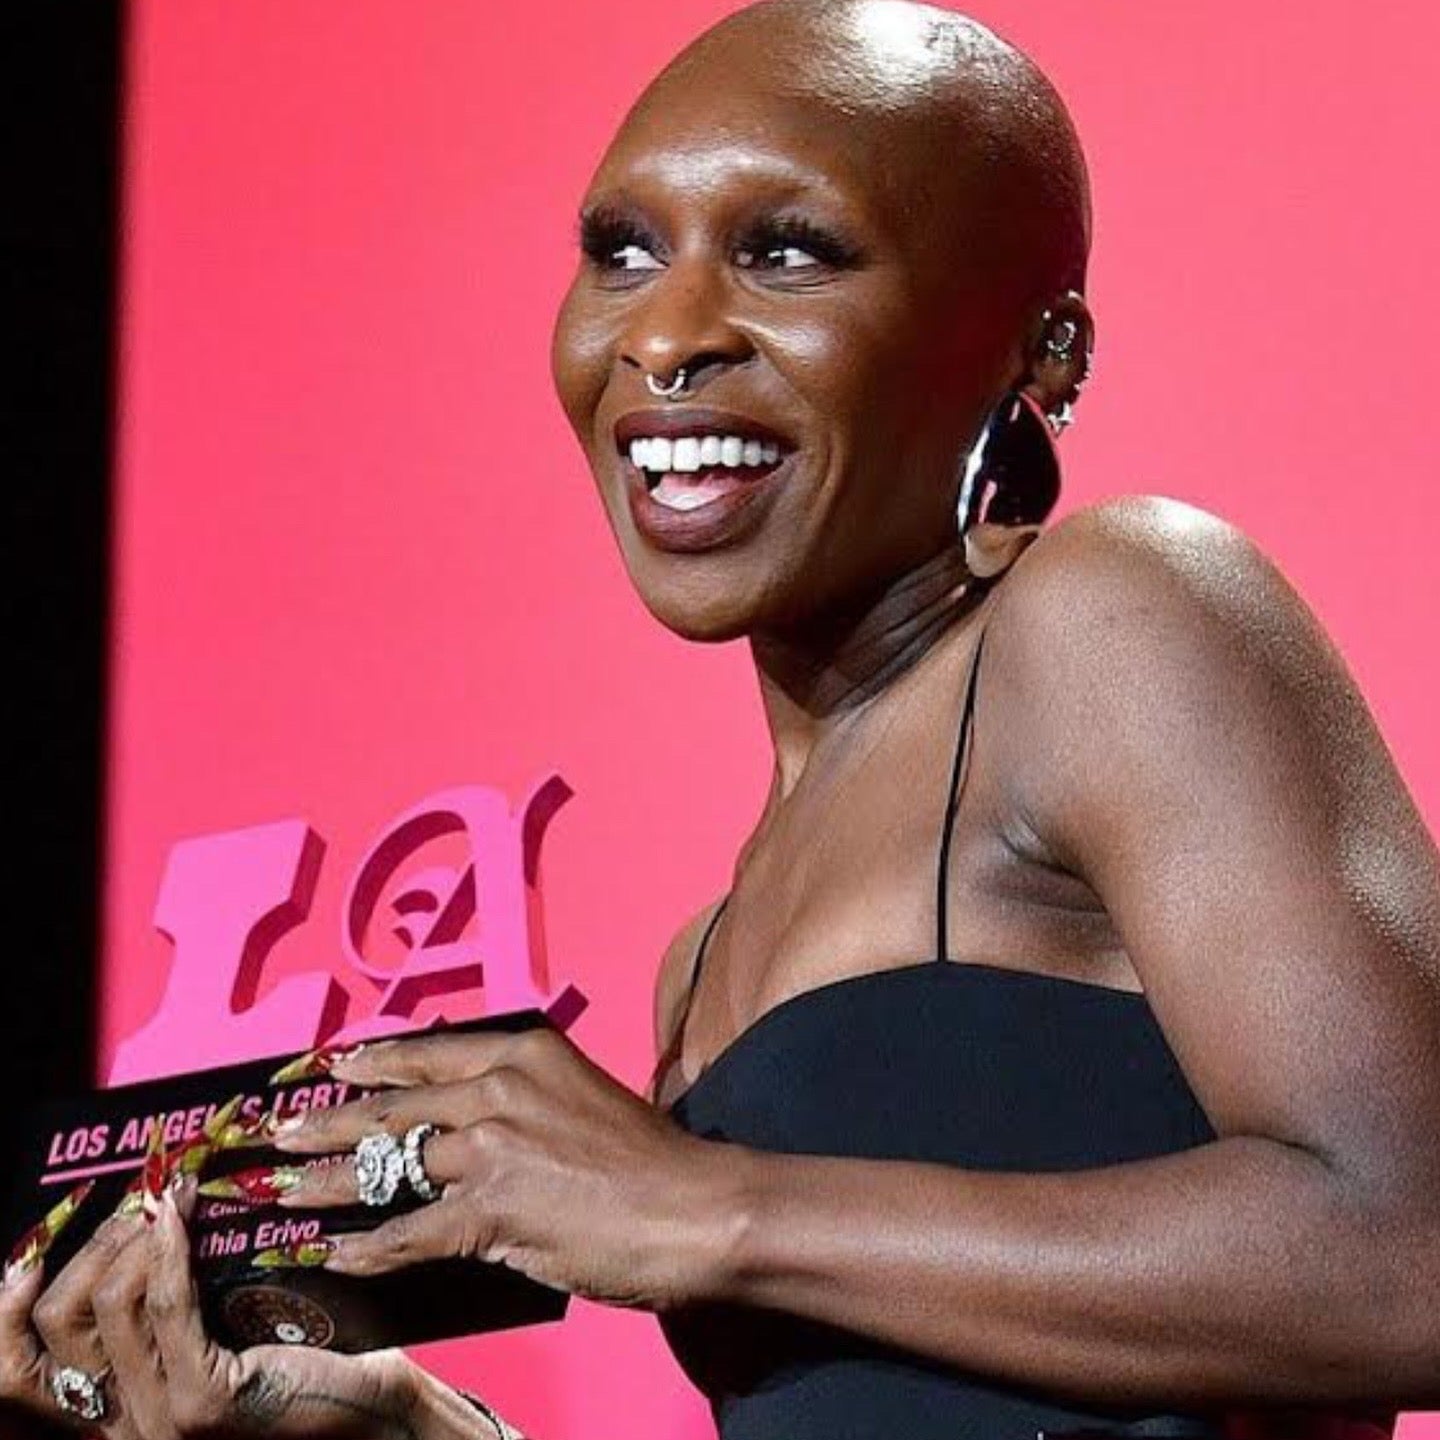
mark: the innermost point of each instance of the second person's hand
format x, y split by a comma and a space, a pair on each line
126, 1312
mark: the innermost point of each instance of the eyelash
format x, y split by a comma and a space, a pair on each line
602, 236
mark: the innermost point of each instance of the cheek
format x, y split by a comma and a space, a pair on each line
867, 378
838, 365
580, 358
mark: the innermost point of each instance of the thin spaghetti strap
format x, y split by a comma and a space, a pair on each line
700, 951
695, 972
958, 770
677, 1038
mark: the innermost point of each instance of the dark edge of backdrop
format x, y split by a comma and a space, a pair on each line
59, 168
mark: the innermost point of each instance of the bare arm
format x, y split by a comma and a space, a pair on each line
1179, 732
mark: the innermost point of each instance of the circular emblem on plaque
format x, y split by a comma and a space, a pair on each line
263, 1315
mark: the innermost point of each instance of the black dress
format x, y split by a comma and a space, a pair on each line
942, 1061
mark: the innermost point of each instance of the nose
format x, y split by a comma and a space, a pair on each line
682, 318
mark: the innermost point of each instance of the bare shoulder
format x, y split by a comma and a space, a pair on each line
1171, 723
1145, 638
1151, 592
1137, 561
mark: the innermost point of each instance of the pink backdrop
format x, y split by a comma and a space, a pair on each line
359, 560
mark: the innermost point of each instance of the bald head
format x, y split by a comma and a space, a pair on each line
938, 88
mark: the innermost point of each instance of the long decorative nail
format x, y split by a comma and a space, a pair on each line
302, 1255
261, 1186
150, 1181
221, 1121
154, 1175
314, 1064
190, 1158
240, 1133
32, 1247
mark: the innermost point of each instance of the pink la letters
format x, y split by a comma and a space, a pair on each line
466, 928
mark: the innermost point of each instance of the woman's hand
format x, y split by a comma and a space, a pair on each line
125, 1309
547, 1165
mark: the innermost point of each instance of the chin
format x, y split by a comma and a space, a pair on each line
726, 593
708, 621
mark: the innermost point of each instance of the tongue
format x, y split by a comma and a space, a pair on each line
700, 487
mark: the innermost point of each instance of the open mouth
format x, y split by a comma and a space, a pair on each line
684, 472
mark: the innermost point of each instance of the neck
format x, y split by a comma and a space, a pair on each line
816, 680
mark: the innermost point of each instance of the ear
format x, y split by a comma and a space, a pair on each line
1059, 356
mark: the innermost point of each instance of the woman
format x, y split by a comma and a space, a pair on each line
1063, 1058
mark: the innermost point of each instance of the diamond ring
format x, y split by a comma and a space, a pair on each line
379, 1168
79, 1393
413, 1160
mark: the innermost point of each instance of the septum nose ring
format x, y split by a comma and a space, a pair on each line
673, 391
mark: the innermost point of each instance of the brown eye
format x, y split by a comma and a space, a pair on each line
794, 247
777, 257
632, 257
618, 244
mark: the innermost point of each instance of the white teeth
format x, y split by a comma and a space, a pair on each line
689, 453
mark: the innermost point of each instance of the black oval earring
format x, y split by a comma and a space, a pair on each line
1011, 483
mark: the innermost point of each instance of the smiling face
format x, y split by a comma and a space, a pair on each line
820, 214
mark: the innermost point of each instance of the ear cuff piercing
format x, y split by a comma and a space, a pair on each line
1060, 420
1060, 347
1061, 344
672, 391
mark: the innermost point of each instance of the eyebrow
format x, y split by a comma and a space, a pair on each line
606, 208
623, 205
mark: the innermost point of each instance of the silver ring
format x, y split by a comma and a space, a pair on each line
673, 390
413, 1160
79, 1393
379, 1168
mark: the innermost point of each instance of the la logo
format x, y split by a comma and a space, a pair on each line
463, 932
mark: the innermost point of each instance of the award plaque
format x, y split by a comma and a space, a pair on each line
250, 1257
